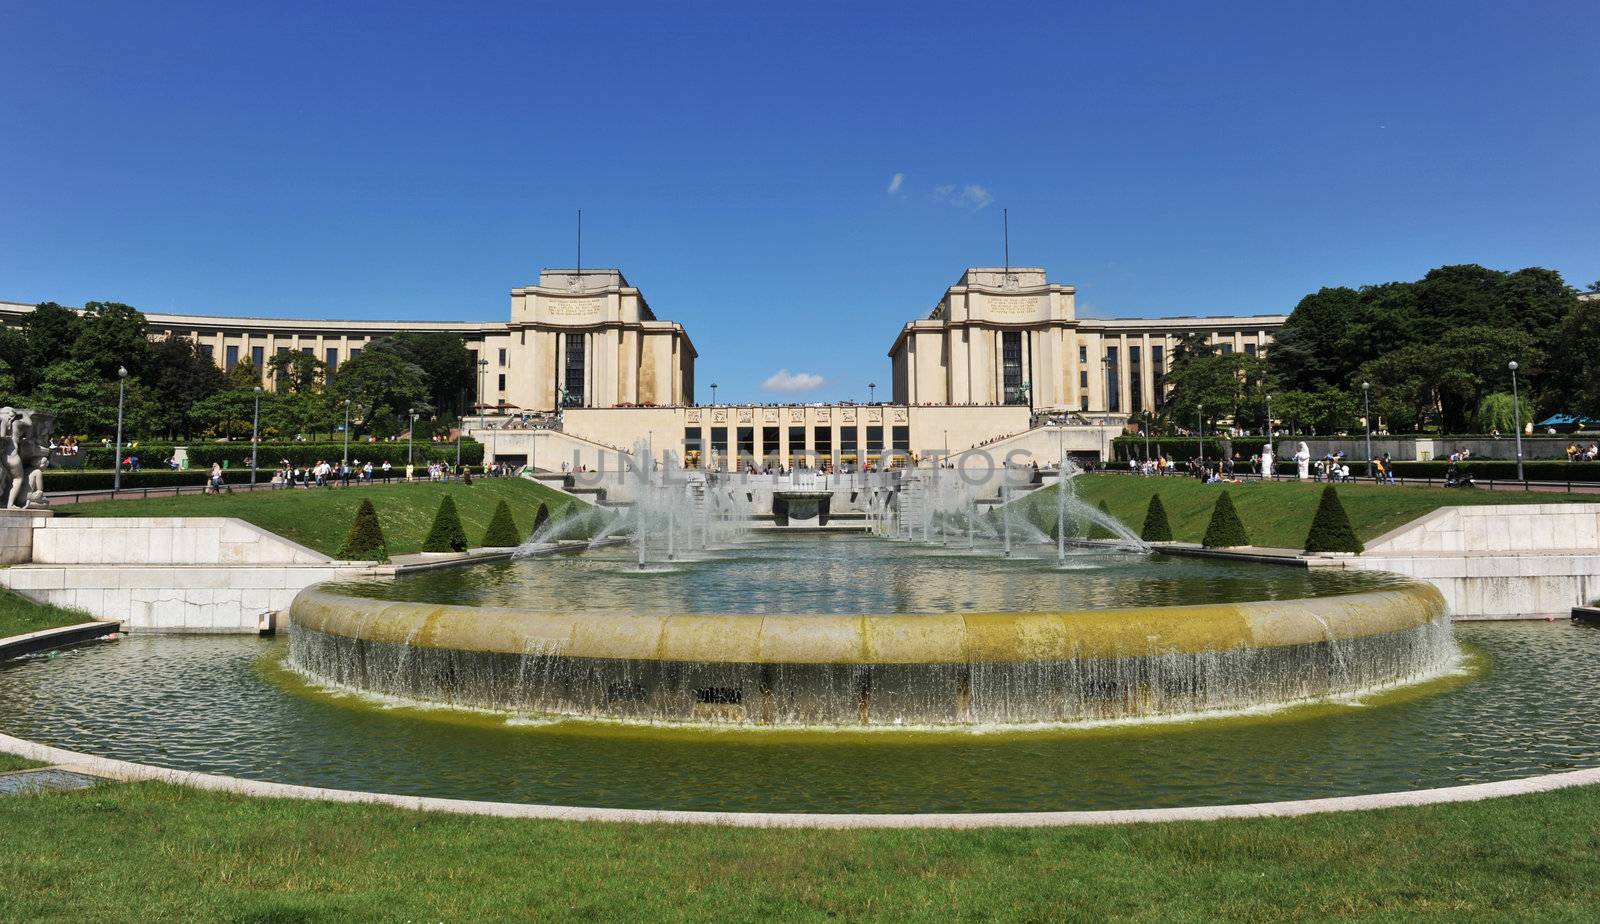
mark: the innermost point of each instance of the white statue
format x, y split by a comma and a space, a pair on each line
1302, 460
24, 452
1266, 461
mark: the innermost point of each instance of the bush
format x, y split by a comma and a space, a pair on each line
1156, 526
1096, 530
446, 534
1226, 529
502, 532
1331, 530
1503, 470
1182, 448
540, 518
237, 453
365, 541
70, 480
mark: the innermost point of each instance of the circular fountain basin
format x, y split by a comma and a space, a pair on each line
989, 666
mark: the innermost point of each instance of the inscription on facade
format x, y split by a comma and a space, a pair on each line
573, 309
1012, 306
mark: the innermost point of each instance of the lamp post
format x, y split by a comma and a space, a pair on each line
1366, 420
1147, 418
347, 433
713, 393
411, 436
483, 370
872, 391
461, 431
122, 384
255, 438
1200, 433
1272, 436
1516, 416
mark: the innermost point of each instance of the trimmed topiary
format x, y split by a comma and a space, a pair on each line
1156, 526
446, 534
502, 531
1330, 529
1226, 529
540, 518
364, 542
1096, 530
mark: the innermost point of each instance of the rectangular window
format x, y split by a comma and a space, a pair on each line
874, 441
574, 372
1135, 381
1250, 348
1227, 349
309, 351
1083, 381
282, 350
747, 442
691, 445
902, 439
332, 354
719, 442
1011, 367
502, 358
822, 439
205, 350
1083, 355
354, 352
797, 440
258, 358
232, 358
847, 440
1113, 381
502, 382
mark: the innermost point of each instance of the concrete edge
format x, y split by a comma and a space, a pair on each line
127, 771
45, 639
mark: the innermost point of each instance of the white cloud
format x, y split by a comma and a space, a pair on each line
784, 380
971, 196
895, 182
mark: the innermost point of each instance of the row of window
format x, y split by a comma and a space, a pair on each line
258, 357
821, 440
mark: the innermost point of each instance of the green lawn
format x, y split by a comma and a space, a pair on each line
19, 615
148, 852
1278, 514
321, 518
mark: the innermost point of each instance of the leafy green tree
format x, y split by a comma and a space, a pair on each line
1096, 530
1224, 386
293, 414
540, 518
1156, 526
1225, 530
244, 374
446, 534
448, 373
1500, 412
502, 531
1307, 352
381, 387
1330, 528
113, 335
181, 376
296, 372
1572, 384
86, 404
50, 331
365, 540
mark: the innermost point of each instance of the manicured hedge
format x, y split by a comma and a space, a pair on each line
61, 480
1183, 448
1499, 470
237, 454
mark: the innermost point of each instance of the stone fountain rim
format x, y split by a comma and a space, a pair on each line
886, 639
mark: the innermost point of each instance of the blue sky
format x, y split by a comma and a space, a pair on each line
738, 160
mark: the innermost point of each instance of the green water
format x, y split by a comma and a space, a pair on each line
222, 705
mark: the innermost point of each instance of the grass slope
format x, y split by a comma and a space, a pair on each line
321, 518
19, 615
1279, 514
152, 852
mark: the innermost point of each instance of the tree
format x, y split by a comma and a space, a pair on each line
446, 534
1156, 526
229, 412
1330, 528
1500, 412
365, 540
112, 336
1225, 530
448, 372
244, 374
181, 376
50, 331
381, 387
1572, 384
1307, 352
540, 518
296, 372
502, 531
1226, 385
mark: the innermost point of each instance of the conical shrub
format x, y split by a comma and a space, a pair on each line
364, 542
1226, 529
446, 534
540, 518
1156, 526
1330, 529
502, 532
1097, 531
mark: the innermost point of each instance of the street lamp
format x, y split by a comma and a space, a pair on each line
483, 370
1516, 416
713, 393
411, 436
122, 383
1147, 418
347, 433
1366, 410
1200, 433
872, 390
255, 438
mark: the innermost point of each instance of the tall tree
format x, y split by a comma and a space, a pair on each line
444, 359
294, 371
113, 335
381, 386
50, 330
181, 376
